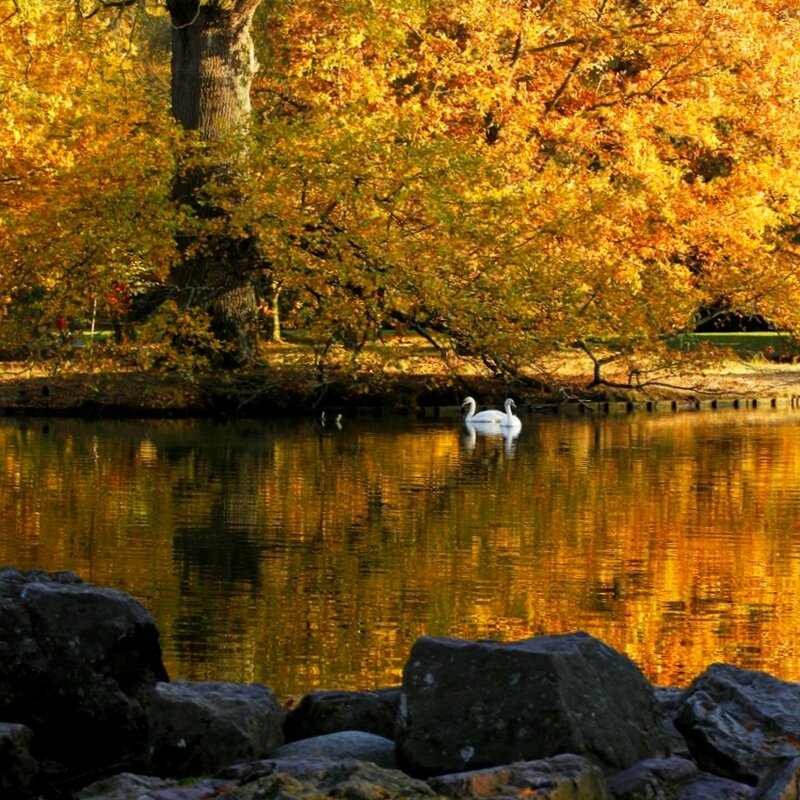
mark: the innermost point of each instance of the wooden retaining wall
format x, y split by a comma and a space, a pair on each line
616, 407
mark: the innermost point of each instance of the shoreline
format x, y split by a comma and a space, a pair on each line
421, 389
577, 719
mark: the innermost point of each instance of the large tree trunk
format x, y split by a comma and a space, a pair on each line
212, 69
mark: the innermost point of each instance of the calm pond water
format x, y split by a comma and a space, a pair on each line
309, 557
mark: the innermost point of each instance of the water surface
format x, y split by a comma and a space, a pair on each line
309, 557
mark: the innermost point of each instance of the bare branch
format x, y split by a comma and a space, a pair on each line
555, 45
103, 5
13, 13
551, 103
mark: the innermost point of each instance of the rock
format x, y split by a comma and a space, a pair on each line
124, 786
343, 744
469, 705
328, 712
565, 777
199, 728
18, 769
669, 700
713, 787
318, 778
740, 723
127, 786
77, 664
655, 777
780, 783
676, 778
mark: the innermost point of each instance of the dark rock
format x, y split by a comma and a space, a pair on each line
343, 744
654, 777
782, 782
740, 723
199, 728
565, 777
314, 778
676, 778
714, 787
127, 786
669, 701
77, 665
328, 712
317, 778
469, 705
18, 769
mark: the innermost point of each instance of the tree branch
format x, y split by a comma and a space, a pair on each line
14, 12
551, 103
102, 6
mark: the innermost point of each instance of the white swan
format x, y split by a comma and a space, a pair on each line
509, 420
490, 415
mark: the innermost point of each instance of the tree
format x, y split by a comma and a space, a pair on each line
213, 65
518, 178
84, 171
510, 179
84, 140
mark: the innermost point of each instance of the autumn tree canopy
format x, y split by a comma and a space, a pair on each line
509, 179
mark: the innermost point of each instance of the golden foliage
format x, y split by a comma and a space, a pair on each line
526, 176
514, 177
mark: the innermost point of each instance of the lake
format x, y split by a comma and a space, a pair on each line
312, 557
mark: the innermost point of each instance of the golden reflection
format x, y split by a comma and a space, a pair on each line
309, 558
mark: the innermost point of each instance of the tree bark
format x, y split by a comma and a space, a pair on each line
213, 65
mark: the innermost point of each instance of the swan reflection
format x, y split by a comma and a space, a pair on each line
490, 431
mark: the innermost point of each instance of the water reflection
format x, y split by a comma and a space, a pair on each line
309, 556
491, 432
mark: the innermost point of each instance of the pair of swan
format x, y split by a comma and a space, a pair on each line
491, 416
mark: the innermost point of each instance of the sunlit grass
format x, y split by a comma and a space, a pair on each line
770, 344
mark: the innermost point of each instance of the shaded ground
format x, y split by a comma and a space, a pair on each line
291, 382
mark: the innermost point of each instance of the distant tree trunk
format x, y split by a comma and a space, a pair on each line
213, 65
276, 312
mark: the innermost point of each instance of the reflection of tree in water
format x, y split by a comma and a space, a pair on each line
219, 570
220, 554
216, 546
217, 510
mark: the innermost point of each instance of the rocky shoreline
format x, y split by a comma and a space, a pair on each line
87, 712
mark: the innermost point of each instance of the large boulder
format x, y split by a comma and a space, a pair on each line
324, 712
199, 728
740, 723
468, 705
77, 665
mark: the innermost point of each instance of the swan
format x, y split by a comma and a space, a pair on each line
490, 415
509, 420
